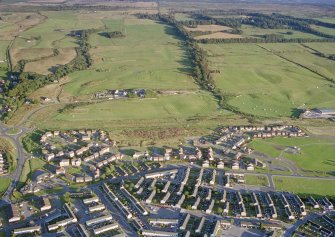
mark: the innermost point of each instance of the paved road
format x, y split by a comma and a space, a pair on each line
21, 157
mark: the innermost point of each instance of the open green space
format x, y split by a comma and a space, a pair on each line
312, 154
302, 56
325, 48
325, 30
7, 147
261, 83
29, 167
164, 107
3, 63
53, 32
258, 180
253, 31
305, 186
149, 56
4, 183
327, 19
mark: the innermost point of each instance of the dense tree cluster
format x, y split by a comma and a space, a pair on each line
278, 21
262, 40
113, 34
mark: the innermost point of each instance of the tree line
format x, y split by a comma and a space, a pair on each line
264, 39
260, 20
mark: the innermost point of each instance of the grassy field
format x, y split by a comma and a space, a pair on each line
150, 56
326, 48
302, 56
258, 180
327, 19
164, 107
305, 186
260, 83
3, 64
252, 31
4, 183
47, 65
30, 166
325, 30
315, 154
7, 147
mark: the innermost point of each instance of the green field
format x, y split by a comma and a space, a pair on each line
327, 19
164, 107
150, 56
315, 154
303, 56
258, 180
3, 64
8, 147
325, 48
305, 186
252, 31
4, 183
259, 82
325, 30
29, 167
53, 31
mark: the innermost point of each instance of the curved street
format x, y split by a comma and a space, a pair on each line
21, 156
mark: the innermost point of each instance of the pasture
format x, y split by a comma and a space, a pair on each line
315, 155
212, 28
150, 56
260, 83
3, 63
304, 186
219, 35
325, 30
325, 48
302, 56
252, 31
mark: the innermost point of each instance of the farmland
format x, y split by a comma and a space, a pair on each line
259, 82
327, 49
305, 186
150, 56
3, 63
252, 31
